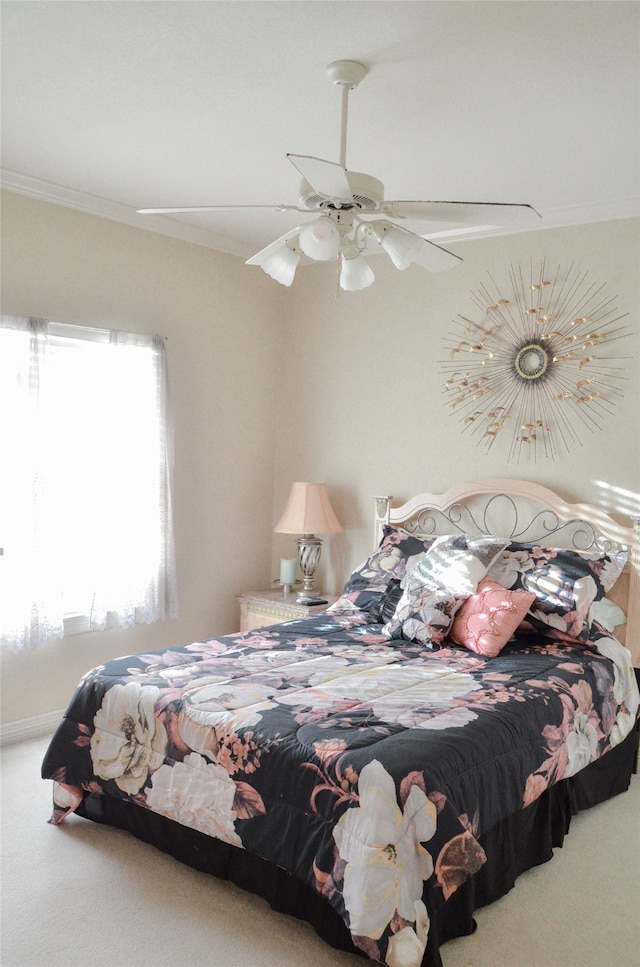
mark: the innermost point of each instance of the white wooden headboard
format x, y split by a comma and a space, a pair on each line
524, 511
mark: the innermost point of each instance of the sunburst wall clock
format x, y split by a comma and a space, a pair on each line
536, 361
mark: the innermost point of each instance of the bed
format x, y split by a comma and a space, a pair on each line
385, 768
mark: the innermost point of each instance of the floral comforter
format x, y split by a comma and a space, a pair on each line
367, 769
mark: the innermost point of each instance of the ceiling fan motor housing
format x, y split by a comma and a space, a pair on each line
367, 191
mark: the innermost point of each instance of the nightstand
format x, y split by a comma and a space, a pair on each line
261, 608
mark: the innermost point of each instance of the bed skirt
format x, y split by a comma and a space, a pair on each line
518, 843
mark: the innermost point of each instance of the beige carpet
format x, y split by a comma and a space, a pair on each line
80, 894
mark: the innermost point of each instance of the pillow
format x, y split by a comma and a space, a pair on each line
487, 619
384, 609
609, 567
565, 583
458, 562
423, 614
398, 549
607, 613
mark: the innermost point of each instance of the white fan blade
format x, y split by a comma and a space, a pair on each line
264, 253
327, 177
405, 247
435, 258
462, 212
216, 208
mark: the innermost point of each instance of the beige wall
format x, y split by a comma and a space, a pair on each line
271, 385
361, 402
223, 338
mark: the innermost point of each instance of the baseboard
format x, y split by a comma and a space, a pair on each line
31, 728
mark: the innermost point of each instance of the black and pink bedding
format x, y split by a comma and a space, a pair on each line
370, 767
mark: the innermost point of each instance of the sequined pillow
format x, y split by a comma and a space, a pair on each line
488, 619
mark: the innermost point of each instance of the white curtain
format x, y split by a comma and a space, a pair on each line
30, 594
85, 505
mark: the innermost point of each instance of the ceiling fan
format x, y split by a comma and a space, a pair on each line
354, 219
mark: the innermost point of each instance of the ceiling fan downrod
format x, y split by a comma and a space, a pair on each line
347, 74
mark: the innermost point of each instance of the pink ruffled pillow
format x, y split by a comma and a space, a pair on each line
488, 618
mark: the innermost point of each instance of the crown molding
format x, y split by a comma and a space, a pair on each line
599, 211
81, 201
608, 211
89, 204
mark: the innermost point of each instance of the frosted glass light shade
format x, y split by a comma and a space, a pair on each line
355, 274
401, 246
308, 511
281, 265
320, 240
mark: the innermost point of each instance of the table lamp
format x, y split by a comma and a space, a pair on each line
308, 512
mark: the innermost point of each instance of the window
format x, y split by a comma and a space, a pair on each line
85, 498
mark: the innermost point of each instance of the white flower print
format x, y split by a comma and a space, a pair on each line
228, 704
386, 864
414, 705
625, 687
367, 653
623, 725
128, 738
582, 745
406, 948
455, 718
506, 568
197, 794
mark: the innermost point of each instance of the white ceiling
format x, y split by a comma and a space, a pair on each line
113, 106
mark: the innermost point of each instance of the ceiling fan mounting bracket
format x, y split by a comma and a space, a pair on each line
346, 73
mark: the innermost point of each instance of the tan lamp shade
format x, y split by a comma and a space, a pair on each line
308, 511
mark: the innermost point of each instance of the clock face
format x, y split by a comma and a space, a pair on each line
531, 364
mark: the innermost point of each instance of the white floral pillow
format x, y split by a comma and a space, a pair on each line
423, 614
457, 562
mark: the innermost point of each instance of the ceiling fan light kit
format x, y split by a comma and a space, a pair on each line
355, 273
401, 246
320, 240
354, 218
281, 265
